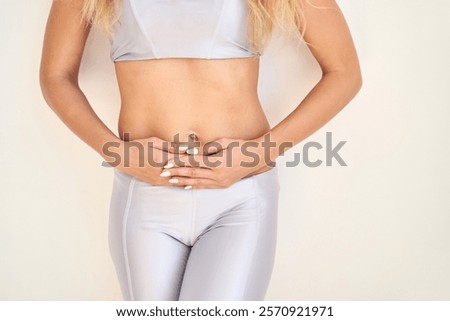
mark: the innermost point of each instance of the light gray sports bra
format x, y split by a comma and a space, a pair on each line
155, 29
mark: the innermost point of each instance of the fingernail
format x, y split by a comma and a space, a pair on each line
188, 187
183, 147
192, 151
165, 174
169, 165
173, 180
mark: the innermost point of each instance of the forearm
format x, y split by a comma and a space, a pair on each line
71, 106
329, 96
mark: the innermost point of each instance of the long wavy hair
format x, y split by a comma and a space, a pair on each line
263, 16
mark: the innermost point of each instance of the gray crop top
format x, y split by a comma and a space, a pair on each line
154, 29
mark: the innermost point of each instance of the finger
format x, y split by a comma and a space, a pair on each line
215, 146
210, 147
171, 147
194, 156
194, 182
203, 161
188, 172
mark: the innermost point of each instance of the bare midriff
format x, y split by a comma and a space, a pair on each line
212, 98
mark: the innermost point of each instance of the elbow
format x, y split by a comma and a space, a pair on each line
46, 83
355, 77
349, 76
358, 80
351, 79
354, 82
50, 84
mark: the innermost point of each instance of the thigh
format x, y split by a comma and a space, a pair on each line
156, 262
234, 259
148, 258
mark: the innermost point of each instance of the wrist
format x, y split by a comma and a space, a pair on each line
111, 150
271, 145
267, 150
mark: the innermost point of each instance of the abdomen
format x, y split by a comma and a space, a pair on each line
211, 98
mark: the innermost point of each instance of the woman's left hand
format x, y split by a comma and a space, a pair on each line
229, 161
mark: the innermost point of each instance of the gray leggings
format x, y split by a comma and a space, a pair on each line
168, 243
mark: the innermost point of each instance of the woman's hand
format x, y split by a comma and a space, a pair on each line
143, 158
217, 164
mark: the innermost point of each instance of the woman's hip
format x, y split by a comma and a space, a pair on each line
186, 214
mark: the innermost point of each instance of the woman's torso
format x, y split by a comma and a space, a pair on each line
186, 67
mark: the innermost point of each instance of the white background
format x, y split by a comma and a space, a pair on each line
376, 229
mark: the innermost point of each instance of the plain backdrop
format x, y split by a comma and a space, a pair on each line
376, 229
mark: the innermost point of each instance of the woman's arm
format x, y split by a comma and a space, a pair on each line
333, 48
330, 41
64, 42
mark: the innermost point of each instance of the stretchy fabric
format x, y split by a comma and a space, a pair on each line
168, 243
155, 29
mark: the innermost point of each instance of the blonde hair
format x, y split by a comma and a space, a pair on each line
264, 15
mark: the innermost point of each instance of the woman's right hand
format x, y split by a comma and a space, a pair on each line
144, 158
